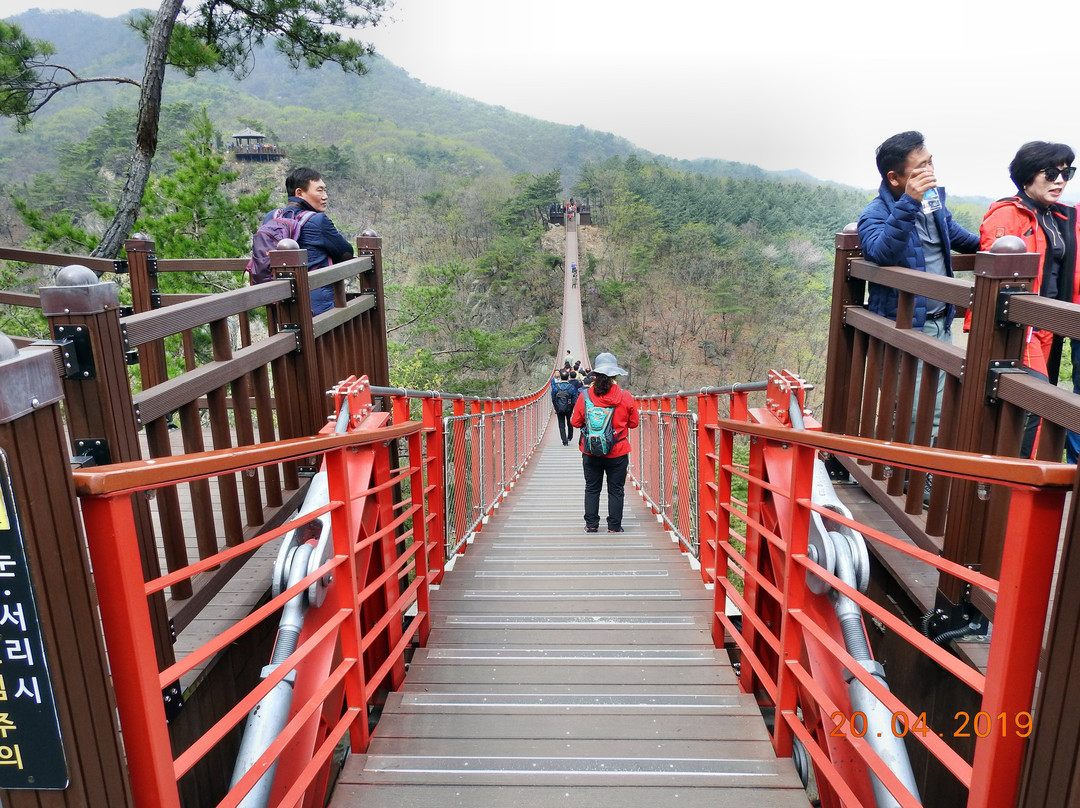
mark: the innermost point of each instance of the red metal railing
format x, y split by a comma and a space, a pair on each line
754, 546
403, 496
675, 462
352, 645
479, 448
788, 637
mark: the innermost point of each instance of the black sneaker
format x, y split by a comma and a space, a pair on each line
615, 530
591, 529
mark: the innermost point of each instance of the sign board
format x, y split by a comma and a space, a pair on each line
31, 748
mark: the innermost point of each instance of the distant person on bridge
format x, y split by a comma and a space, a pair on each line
908, 226
564, 395
1050, 228
605, 414
324, 243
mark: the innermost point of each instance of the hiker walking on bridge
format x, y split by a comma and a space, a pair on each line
605, 413
564, 395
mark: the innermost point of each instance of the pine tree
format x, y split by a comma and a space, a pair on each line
207, 36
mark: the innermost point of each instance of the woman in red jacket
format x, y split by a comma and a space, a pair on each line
605, 393
1040, 171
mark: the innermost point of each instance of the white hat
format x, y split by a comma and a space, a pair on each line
607, 365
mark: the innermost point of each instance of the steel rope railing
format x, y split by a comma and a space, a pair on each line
480, 450
666, 464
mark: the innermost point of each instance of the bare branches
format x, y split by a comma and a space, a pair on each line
39, 93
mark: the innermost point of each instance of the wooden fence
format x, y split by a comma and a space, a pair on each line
175, 374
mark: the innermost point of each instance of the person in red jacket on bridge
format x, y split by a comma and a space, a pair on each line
1050, 228
605, 402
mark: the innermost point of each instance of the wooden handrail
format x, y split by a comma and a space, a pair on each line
201, 264
21, 299
969, 465
161, 399
56, 259
148, 326
949, 358
936, 287
318, 278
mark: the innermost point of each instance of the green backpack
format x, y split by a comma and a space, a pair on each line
598, 436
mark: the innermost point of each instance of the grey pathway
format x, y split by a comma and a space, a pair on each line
569, 669
572, 330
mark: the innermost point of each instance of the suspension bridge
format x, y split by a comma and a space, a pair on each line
385, 598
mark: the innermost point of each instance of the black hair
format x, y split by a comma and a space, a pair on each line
602, 383
564, 375
893, 153
1033, 157
300, 178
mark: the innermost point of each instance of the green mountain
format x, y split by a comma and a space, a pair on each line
387, 99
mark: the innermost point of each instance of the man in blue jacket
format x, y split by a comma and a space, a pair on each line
564, 395
323, 241
895, 230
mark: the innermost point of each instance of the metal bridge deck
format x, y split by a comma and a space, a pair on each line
566, 668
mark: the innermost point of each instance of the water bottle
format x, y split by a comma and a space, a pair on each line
931, 201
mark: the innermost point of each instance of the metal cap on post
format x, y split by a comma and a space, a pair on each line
7, 348
78, 290
30, 380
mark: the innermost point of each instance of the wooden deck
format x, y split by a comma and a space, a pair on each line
566, 668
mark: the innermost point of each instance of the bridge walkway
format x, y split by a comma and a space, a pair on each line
566, 668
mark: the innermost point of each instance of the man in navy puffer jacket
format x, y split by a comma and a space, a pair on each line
894, 231
324, 243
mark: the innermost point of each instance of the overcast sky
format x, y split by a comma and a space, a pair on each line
783, 84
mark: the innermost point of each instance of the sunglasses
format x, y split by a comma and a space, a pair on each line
1065, 173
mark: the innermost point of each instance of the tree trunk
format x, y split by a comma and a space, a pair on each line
146, 132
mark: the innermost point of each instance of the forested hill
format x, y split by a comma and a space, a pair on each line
695, 274
94, 45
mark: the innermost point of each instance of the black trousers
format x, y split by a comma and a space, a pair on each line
596, 468
566, 432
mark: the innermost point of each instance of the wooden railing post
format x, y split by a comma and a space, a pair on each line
145, 296
296, 376
41, 505
846, 292
376, 365
100, 413
971, 537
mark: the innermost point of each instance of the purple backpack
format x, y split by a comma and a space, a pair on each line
279, 226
